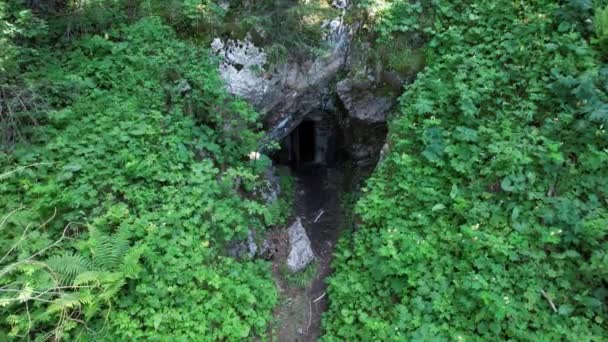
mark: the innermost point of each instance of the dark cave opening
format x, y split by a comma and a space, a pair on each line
306, 142
332, 139
313, 143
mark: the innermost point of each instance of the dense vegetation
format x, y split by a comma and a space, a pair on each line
121, 192
488, 218
124, 172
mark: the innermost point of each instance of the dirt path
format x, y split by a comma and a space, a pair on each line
317, 198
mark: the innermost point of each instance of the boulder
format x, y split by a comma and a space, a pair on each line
300, 253
362, 102
340, 4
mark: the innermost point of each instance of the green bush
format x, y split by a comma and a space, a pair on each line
54, 295
488, 218
148, 143
600, 21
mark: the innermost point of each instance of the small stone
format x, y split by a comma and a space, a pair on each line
384, 152
184, 87
265, 249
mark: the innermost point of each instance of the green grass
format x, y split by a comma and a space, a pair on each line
303, 278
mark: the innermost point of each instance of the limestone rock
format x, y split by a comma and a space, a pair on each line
241, 66
300, 254
252, 248
284, 92
363, 104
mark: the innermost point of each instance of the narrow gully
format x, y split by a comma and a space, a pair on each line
327, 154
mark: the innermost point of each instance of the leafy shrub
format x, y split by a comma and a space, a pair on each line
488, 218
54, 290
194, 17
19, 101
71, 19
285, 28
152, 146
600, 20
405, 61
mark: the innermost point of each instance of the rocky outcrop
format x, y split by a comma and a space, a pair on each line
244, 249
286, 92
241, 67
363, 102
300, 250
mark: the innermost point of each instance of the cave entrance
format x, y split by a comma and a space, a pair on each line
305, 142
311, 143
326, 153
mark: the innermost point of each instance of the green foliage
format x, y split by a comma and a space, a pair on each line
70, 19
487, 219
19, 102
405, 61
300, 279
195, 17
600, 21
285, 28
143, 145
283, 207
396, 31
295, 27
53, 291
7, 33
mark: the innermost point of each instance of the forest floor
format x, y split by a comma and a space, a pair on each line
317, 203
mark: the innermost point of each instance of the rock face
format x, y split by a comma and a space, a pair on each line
243, 249
362, 103
300, 254
241, 66
244, 68
272, 185
286, 92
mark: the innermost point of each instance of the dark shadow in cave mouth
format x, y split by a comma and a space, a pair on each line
305, 142
317, 142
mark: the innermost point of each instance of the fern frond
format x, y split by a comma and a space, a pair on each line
130, 266
86, 297
600, 21
102, 250
121, 242
65, 302
92, 309
68, 266
90, 277
111, 290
